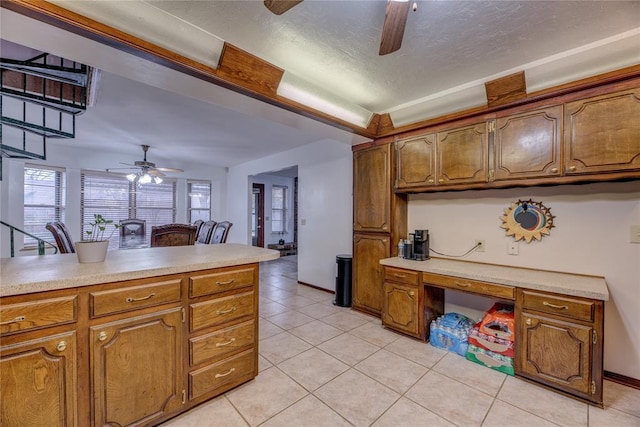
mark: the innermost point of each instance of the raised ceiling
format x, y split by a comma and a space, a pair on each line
330, 48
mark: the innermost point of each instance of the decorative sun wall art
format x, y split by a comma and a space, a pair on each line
527, 220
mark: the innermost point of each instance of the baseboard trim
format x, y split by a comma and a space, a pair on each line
329, 291
622, 379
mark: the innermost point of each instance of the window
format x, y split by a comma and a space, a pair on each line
199, 200
115, 198
44, 201
278, 209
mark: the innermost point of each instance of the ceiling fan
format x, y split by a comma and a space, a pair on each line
395, 19
147, 171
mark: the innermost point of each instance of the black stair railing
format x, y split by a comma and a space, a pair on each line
41, 243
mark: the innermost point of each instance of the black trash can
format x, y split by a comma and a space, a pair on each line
343, 281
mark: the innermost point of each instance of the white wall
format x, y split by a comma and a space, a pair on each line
324, 205
591, 236
73, 160
269, 181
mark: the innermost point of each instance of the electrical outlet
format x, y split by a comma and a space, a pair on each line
513, 248
634, 233
479, 245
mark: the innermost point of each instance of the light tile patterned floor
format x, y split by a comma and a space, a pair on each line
322, 365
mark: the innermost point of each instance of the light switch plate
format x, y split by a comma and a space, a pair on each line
634, 233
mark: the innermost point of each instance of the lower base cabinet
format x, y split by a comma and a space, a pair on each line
38, 382
137, 369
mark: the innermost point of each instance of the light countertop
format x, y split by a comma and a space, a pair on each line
29, 274
564, 283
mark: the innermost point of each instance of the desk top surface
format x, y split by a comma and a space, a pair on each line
29, 274
563, 283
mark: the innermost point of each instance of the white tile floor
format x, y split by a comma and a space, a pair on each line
322, 365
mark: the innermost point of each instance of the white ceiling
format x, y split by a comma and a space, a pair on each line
450, 48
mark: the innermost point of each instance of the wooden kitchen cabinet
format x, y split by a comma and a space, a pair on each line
137, 368
367, 275
602, 133
372, 189
403, 301
38, 381
380, 221
527, 144
560, 342
415, 159
462, 155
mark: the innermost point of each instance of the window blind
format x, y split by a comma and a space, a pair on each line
199, 200
115, 198
278, 209
44, 201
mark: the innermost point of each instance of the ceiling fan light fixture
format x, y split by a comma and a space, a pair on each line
157, 180
145, 179
132, 177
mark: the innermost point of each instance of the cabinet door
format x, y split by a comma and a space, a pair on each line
368, 250
555, 352
402, 308
372, 189
137, 368
463, 155
527, 145
415, 159
602, 134
38, 382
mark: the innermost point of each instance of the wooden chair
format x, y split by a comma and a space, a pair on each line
198, 223
204, 233
62, 237
133, 233
173, 235
221, 232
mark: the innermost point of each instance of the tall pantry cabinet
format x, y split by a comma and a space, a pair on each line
379, 221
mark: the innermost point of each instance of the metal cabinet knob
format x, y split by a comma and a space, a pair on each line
62, 346
554, 170
528, 322
102, 336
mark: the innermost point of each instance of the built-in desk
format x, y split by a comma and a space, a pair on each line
559, 316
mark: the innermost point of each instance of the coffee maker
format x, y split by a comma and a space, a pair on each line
421, 245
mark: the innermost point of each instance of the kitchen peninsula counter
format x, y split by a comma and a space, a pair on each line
134, 340
29, 274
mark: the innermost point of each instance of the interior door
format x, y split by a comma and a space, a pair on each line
257, 215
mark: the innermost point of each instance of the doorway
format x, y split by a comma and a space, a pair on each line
257, 215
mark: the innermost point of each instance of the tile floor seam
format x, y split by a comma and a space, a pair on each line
234, 407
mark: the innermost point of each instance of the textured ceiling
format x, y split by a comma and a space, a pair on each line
332, 45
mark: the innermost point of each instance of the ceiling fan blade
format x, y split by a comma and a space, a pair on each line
280, 6
155, 172
176, 170
395, 19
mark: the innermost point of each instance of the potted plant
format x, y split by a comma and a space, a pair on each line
93, 248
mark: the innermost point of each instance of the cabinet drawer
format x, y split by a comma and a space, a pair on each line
236, 368
472, 286
134, 297
208, 284
573, 307
217, 344
221, 310
37, 314
402, 276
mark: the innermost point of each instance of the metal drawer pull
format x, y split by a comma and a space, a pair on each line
557, 307
140, 299
224, 375
232, 309
463, 285
62, 346
400, 275
222, 344
14, 320
228, 282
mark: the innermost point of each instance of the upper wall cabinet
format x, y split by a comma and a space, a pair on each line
372, 189
416, 161
527, 144
454, 156
602, 134
462, 155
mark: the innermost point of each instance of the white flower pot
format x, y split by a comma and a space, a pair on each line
91, 251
